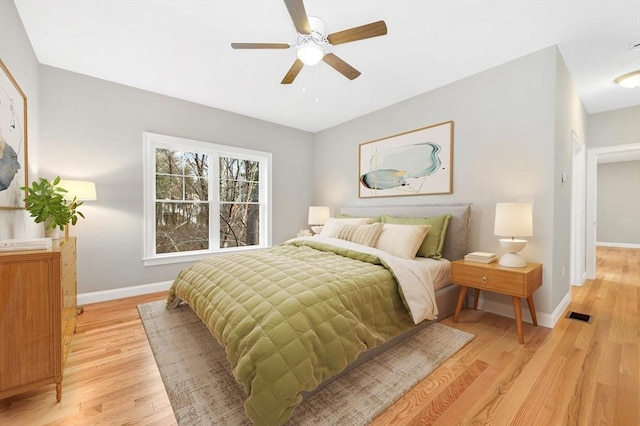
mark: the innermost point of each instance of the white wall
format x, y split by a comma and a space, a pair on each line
504, 148
92, 129
570, 119
611, 128
17, 54
619, 203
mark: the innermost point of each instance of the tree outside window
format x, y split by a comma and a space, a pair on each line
193, 182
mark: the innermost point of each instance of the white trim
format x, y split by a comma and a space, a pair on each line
504, 309
578, 217
621, 245
119, 293
558, 312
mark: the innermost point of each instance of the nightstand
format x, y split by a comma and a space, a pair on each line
514, 282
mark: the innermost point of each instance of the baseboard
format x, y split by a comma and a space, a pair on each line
620, 245
506, 310
559, 311
119, 293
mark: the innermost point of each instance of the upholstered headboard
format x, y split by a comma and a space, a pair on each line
455, 245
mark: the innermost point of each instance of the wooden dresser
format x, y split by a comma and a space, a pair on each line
37, 316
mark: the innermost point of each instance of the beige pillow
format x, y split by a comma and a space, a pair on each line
367, 235
402, 240
329, 227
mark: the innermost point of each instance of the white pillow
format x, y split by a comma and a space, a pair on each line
329, 228
366, 235
402, 240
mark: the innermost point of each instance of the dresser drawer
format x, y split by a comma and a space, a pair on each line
68, 258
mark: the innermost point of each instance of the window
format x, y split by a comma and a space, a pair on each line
203, 198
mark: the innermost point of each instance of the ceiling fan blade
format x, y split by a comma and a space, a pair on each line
298, 16
293, 72
341, 66
373, 29
260, 45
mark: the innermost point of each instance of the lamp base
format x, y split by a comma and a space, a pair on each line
512, 260
317, 229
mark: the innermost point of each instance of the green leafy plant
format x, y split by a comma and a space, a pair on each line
45, 201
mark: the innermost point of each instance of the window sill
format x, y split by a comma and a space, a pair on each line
170, 258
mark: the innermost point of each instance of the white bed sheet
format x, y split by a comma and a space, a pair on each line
414, 277
440, 271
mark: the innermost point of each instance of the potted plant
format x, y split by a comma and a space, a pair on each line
46, 202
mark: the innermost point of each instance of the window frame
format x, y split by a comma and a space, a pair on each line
153, 141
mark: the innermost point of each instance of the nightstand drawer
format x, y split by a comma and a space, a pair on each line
520, 282
488, 279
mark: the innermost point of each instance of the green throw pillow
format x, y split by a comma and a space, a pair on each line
433, 243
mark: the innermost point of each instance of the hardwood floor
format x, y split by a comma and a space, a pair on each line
575, 374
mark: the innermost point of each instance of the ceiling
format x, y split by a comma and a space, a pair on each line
181, 48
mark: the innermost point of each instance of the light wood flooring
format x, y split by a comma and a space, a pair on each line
575, 374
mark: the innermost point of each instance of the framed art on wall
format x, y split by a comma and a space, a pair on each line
418, 162
13, 141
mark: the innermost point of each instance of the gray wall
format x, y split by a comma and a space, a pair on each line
18, 56
92, 129
506, 136
615, 186
610, 128
570, 116
619, 203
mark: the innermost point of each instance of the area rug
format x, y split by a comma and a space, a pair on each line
202, 389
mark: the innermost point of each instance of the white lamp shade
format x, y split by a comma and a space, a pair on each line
318, 215
82, 190
514, 220
310, 53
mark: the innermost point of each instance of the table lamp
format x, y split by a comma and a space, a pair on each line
513, 220
81, 190
318, 216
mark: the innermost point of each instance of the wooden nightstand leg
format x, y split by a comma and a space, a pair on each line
532, 310
518, 311
475, 298
461, 297
58, 392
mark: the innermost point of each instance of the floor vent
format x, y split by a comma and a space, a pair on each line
579, 317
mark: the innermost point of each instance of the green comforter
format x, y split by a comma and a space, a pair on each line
292, 316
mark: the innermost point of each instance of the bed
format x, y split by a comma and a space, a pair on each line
294, 317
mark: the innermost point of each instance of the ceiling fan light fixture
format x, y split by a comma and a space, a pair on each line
310, 53
629, 80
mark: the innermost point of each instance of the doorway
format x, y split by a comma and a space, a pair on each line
610, 154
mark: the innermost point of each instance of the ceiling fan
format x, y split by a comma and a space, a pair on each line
313, 42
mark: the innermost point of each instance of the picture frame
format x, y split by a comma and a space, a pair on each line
13, 142
417, 162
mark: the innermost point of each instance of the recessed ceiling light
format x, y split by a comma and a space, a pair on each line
629, 80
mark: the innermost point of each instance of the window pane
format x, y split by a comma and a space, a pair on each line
169, 187
237, 169
239, 225
196, 188
239, 191
181, 227
168, 161
196, 164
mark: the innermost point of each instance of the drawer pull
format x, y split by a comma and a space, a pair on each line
484, 280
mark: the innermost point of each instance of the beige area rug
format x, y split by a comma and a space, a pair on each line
203, 391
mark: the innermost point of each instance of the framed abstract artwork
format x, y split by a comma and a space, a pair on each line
417, 162
13, 141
